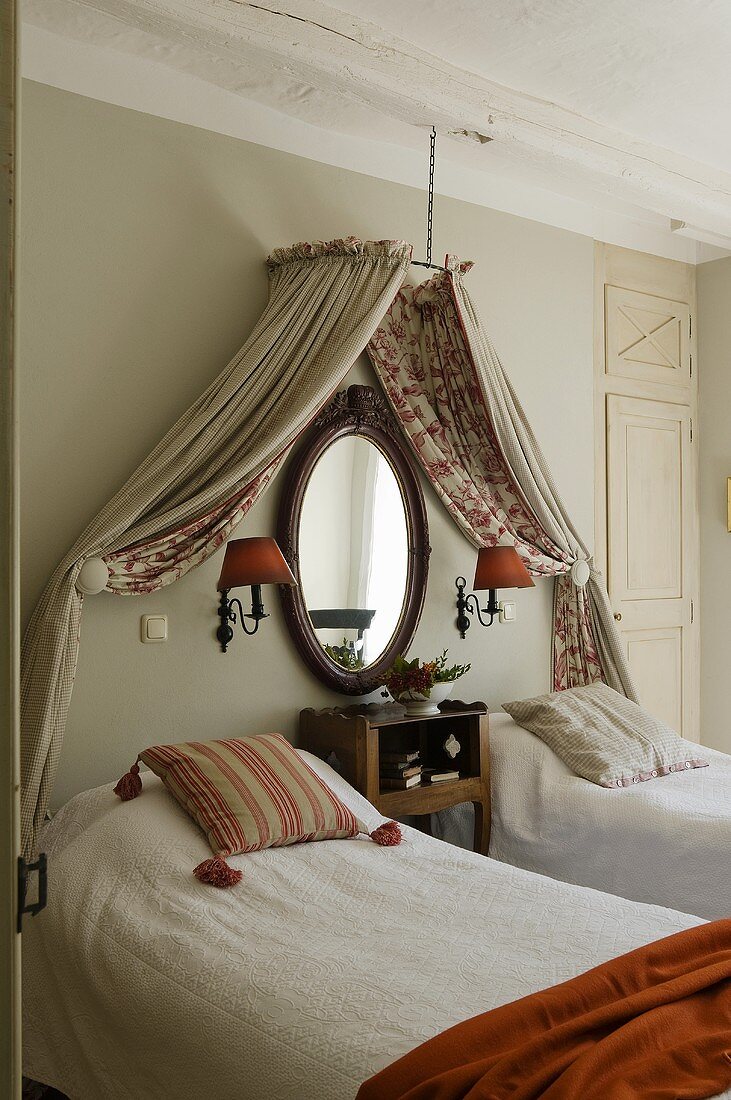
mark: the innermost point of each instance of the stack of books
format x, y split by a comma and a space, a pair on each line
433, 775
400, 770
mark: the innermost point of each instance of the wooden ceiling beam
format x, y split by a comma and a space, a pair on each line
347, 57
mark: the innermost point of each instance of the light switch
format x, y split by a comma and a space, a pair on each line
507, 611
154, 628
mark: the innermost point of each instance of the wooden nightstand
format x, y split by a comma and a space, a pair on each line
358, 735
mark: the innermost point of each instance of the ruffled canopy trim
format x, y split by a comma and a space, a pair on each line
457, 266
346, 246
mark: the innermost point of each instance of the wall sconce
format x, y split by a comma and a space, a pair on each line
255, 561
497, 567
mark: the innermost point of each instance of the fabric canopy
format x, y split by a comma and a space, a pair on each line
453, 400
182, 503
449, 391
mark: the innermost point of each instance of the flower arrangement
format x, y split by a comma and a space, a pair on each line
412, 677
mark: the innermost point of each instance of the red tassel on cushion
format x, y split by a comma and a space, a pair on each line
130, 784
388, 834
216, 872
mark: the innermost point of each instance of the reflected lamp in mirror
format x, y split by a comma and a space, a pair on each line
497, 567
254, 561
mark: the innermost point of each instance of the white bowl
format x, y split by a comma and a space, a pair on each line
425, 706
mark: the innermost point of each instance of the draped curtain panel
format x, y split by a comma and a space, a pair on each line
181, 504
447, 387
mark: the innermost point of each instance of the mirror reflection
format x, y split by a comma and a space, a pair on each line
353, 554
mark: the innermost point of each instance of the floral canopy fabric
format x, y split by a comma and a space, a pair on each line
450, 393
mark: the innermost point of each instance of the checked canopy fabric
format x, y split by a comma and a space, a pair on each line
183, 502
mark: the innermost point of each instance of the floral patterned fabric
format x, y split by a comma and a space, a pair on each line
148, 566
447, 387
180, 505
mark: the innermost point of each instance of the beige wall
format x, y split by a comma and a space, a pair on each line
142, 272
714, 386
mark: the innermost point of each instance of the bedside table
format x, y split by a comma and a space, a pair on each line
358, 735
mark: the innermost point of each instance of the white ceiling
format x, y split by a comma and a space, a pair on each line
656, 69
620, 107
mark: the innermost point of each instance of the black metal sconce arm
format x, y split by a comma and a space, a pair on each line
469, 605
227, 614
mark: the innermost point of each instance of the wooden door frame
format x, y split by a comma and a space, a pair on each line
676, 281
10, 1054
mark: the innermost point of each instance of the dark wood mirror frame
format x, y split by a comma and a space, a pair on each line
363, 412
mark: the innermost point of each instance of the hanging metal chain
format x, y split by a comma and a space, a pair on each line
430, 207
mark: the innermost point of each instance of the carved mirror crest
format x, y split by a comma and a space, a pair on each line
353, 527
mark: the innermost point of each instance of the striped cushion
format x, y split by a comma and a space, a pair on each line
604, 737
252, 793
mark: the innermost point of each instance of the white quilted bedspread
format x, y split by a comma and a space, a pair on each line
327, 962
667, 841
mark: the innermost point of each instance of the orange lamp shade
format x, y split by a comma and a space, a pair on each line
500, 567
253, 561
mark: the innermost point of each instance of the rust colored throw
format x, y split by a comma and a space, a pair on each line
655, 1023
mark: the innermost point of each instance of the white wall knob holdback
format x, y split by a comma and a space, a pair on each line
580, 572
93, 577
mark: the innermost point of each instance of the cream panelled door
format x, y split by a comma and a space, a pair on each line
646, 511
650, 499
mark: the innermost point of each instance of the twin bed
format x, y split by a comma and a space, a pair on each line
667, 841
328, 961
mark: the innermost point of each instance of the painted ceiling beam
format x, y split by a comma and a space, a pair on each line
312, 43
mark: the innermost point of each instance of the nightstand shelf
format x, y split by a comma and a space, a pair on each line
354, 738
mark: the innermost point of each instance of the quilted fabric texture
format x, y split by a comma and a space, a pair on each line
603, 736
334, 961
252, 793
633, 842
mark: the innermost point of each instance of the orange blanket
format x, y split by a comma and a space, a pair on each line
655, 1024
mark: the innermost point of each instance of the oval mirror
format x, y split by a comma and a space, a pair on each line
353, 529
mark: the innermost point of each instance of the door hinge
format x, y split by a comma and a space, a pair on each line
691, 366
692, 612
691, 429
690, 325
24, 870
